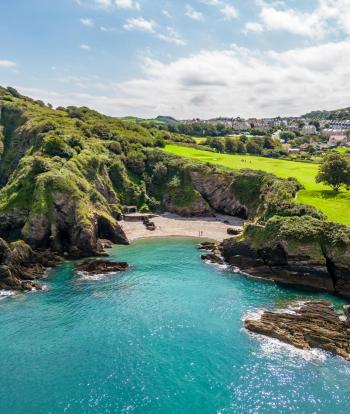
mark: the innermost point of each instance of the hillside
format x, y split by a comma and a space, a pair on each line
161, 120
335, 115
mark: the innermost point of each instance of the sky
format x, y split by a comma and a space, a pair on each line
183, 58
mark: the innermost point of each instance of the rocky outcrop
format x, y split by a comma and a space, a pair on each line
67, 231
312, 325
21, 267
216, 190
295, 251
95, 267
213, 254
195, 208
213, 258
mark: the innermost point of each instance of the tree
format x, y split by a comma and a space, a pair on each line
334, 171
231, 145
217, 143
287, 136
253, 147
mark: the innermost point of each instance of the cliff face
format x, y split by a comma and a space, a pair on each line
297, 251
216, 190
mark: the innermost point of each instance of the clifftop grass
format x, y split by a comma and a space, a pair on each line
335, 206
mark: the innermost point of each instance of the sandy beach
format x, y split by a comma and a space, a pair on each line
167, 225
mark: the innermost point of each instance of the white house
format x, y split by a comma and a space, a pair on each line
338, 140
309, 130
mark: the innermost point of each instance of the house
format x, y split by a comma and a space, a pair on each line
293, 127
338, 140
309, 130
333, 131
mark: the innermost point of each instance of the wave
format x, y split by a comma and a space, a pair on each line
273, 348
7, 293
218, 266
84, 276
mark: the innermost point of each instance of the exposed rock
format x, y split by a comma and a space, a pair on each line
210, 246
234, 231
105, 244
151, 226
216, 189
198, 207
94, 267
288, 252
213, 258
312, 325
20, 266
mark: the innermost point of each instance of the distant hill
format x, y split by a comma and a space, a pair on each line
335, 115
168, 120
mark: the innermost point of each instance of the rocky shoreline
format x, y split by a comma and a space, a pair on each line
21, 267
314, 324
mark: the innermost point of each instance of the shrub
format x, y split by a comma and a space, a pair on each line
56, 146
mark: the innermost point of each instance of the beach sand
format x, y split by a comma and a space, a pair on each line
167, 225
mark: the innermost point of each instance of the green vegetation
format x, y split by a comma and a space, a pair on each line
264, 145
335, 205
335, 171
67, 173
335, 115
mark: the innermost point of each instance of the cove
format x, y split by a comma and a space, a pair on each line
164, 337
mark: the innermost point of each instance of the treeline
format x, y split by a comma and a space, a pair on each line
266, 145
195, 129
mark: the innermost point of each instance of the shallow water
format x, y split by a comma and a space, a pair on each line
164, 337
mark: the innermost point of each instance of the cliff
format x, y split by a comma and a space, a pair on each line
302, 251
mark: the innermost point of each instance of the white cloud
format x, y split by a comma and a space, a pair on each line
87, 22
243, 82
253, 27
139, 23
128, 4
192, 13
229, 82
166, 13
229, 12
329, 16
171, 36
85, 47
7, 64
104, 3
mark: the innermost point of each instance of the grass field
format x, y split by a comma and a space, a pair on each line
335, 205
343, 150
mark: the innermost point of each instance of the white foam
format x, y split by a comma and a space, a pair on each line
217, 265
253, 315
85, 276
274, 348
7, 293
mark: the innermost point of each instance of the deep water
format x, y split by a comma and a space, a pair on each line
164, 337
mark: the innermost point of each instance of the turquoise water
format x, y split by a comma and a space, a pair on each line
164, 337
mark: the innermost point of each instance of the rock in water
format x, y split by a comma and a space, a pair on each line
210, 246
95, 267
20, 266
313, 324
213, 258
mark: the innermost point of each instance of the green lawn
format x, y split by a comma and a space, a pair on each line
343, 150
335, 206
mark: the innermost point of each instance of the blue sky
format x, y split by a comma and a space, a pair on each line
195, 58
